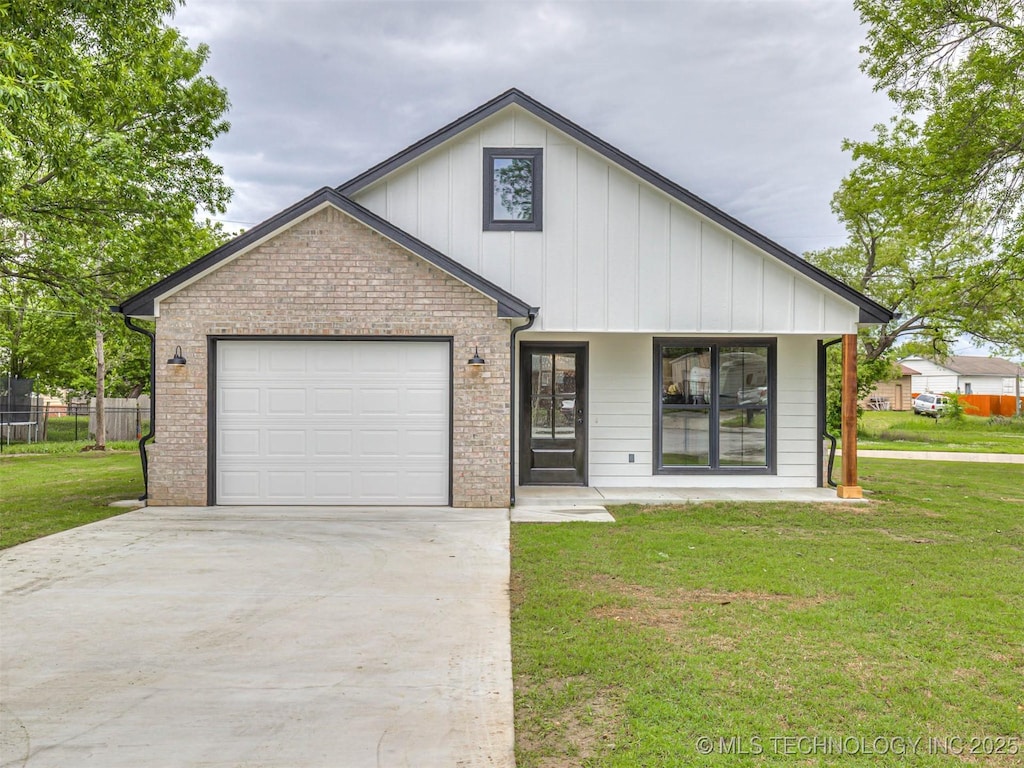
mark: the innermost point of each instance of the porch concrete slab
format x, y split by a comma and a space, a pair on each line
544, 494
556, 514
568, 497
260, 637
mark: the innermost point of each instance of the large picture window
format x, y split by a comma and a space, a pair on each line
513, 189
714, 408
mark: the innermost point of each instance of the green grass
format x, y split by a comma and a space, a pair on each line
50, 493
902, 618
61, 436
902, 430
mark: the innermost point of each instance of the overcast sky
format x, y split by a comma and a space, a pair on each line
745, 104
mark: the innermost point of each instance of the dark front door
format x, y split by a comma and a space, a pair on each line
553, 427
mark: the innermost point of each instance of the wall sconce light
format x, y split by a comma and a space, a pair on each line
177, 359
476, 359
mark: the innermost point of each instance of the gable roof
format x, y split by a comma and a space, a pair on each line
143, 304
973, 365
969, 365
870, 310
908, 371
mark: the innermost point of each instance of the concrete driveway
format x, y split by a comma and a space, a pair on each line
260, 636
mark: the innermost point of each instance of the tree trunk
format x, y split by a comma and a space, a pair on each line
101, 374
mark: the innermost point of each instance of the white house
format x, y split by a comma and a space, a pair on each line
509, 301
968, 375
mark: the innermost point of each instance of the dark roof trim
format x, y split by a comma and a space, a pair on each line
143, 303
870, 310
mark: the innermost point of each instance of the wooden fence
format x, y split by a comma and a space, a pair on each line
124, 416
989, 405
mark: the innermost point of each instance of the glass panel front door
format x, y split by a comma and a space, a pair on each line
553, 431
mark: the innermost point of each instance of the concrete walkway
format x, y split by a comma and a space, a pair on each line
298, 637
984, 458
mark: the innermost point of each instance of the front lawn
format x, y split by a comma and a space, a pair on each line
771, 634
44, 494
903, 431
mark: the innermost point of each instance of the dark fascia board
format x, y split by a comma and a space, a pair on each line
142, 304
870, 310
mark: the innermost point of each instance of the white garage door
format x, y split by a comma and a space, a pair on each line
332, 422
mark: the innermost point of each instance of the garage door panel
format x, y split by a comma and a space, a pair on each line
285, 442
332, 485
239, 359
332, 359
377, 402
242, 401
285, 359
426, 360
426, 443
285, 402
425, 402
332, 442
425, 484
240, 485
332, 401
240, 442
286, 485
333, 422
380, 358
379, 485
379, 443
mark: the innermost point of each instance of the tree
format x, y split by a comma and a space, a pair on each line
107, 120
933, 208
946, 178
940, 280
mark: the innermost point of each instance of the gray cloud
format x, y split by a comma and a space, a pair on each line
743, 103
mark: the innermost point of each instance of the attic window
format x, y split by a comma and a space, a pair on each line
512, 189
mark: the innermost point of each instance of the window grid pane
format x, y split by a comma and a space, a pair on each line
742, 436
685, 437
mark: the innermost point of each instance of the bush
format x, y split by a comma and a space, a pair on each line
1009, 423
954, 410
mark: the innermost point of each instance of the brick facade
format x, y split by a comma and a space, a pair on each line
331, 275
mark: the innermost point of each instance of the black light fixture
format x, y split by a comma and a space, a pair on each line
476, 359
177, 359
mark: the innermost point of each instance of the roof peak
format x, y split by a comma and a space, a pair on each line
870, 310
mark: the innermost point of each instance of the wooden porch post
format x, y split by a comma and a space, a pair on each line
848, 488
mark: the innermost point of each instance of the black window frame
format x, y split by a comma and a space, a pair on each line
714, 407
536, 156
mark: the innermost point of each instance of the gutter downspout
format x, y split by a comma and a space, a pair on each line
152, 404
822, 387
512, 404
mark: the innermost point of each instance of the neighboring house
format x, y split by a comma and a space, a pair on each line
509, 301
893, 395
967, 375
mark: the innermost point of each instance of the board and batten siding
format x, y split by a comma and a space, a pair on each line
616, 254
621, 415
